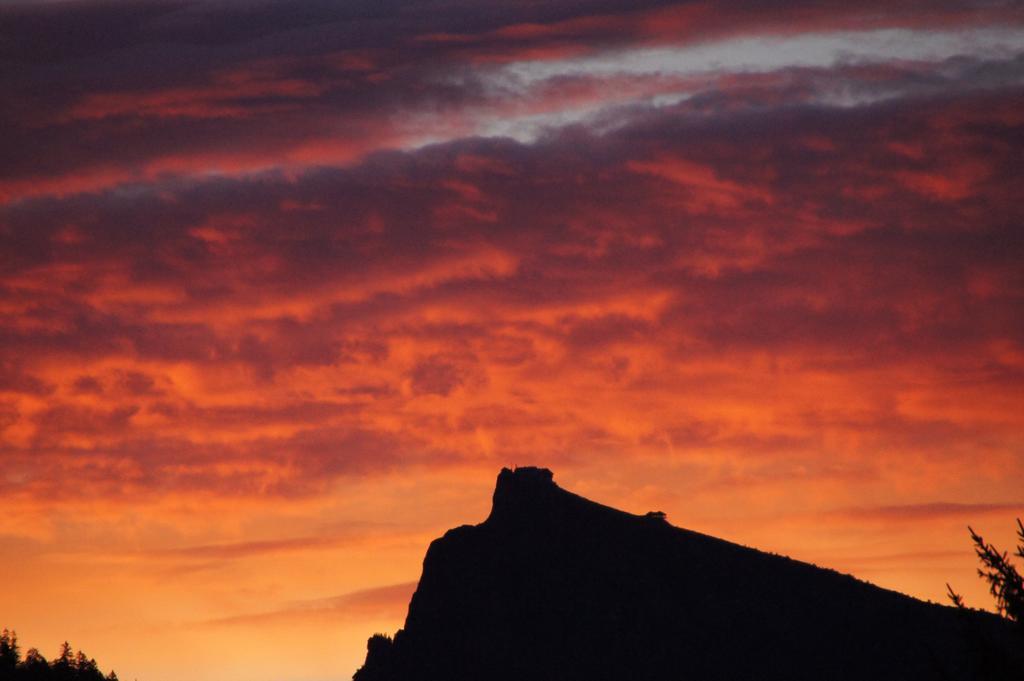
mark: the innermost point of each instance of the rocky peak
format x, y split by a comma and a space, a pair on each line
523, 491
555, 586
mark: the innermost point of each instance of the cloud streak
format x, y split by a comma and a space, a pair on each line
392, 600
934, 510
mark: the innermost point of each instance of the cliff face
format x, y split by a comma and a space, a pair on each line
553, 586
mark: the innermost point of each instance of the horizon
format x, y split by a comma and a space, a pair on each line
285, 284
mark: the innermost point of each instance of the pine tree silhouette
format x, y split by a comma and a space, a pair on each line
1005, 582
67, 666
9, 653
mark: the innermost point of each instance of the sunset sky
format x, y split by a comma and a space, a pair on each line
284, 284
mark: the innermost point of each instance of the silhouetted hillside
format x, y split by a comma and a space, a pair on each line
553, 586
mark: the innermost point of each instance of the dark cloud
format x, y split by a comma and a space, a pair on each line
246, 256
108, 93
16, 380
87, 385
435, 376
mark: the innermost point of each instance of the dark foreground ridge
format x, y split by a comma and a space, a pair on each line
553, 586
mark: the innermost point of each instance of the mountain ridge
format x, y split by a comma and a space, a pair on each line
552, 585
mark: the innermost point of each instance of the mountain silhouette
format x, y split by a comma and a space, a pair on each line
552, 586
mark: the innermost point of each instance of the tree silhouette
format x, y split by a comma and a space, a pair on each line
9, 653
1005, 583
64, 665
86, 669
67, 666
34, 668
